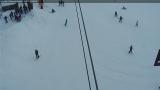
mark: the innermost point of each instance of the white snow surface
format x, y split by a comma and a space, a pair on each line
61, 64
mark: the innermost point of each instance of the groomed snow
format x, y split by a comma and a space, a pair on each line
110, 41
61, 65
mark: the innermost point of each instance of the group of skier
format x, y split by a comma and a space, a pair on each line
16, 15
120, 21
121, 18
65, 24
61, 3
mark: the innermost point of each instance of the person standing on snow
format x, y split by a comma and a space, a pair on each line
53, 11
25, 9
65, 24
137, 23
37, 54
21, 10
120, 19
130, 49
116, 14
30, 5
11, 15
5, 18
61, 3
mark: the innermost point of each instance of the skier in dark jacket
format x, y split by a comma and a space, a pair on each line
30, 6
11, 15
61, 2
17, 10
65, 24
137, 23
5, 18
116, 14
53, 11
120, 19
37, 54
21, 10
25, 9
130, 49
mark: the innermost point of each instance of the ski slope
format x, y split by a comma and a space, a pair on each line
110, 41
61, 65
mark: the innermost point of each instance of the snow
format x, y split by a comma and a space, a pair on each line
61, 65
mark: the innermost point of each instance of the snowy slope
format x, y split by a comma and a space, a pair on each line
61, 65
110, 41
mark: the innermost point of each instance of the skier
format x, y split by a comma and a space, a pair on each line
16, 10
20, 9
130, 49
18, 17
53, 11
37, 54
120, 19
25, 9
115, 14
59, 2
159, 87
124, 8
30, 5
15, 16
65, 24
62, 3
137, 23
11, 15
5, 18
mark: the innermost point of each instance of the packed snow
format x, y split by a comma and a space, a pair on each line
61, 65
